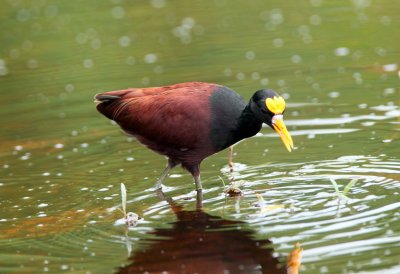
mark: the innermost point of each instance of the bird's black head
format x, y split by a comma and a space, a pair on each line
269, 107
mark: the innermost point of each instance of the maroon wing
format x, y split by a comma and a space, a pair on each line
176, 116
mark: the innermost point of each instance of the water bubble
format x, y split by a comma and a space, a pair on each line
386, 20
95, 43
150, 58
14, 53
51, 11
84, 145
18, 148
188, 22
32, 63
228, 72
240, 76
250, 55
42, 205
27, 45
3, 68
264, 81
124, 41
315, 20
158, 4
130, 60
278, 42
25, 157
342, 51
255, 75
88, 63
389, 91
23, 15
277, 17
81, 38
316, 3
129, 159
296, 58
69, 87
118, 12
46, 174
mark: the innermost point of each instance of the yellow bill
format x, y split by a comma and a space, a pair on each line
280, 128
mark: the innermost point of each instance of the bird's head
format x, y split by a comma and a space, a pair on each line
269, 107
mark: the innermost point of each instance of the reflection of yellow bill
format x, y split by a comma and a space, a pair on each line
280, 128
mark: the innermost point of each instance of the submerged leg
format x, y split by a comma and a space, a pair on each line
170, 165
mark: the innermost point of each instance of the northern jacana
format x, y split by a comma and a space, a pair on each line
188, 122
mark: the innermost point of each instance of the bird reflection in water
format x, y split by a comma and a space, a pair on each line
201, 243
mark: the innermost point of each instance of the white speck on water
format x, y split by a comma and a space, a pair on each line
124, 41
387, 140
130, 60
3, 220
342, 51
255, 75
362, 106
368, 124
103, 189
118, 12
80, 210
240, 76
84, 145
95, 43
158, 4
42, 214
175, 175
25, 198
296, 58
46, 174
74, 133
69, 87
84, 188
276, 17
3, 68
278, 42
26, 156
315, 3
88, 63
59, 145
150, 58
315, 20
334, 94
23, 15
264, 81
388, 91
228, 72
390, 67
40, 225
18, 148
386, 20
32, 63
42, 205
64, 267
92, 222
81, 38
250, 55
51, 11
129, 159
107, 198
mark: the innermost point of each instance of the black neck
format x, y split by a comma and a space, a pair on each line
248, 124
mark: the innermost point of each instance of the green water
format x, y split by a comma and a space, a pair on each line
61, 163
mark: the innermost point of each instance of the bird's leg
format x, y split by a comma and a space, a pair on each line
195, 171
230, 158
170, 165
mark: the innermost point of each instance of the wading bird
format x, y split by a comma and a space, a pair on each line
188, 122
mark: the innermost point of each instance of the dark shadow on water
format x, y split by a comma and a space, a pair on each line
202, 243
